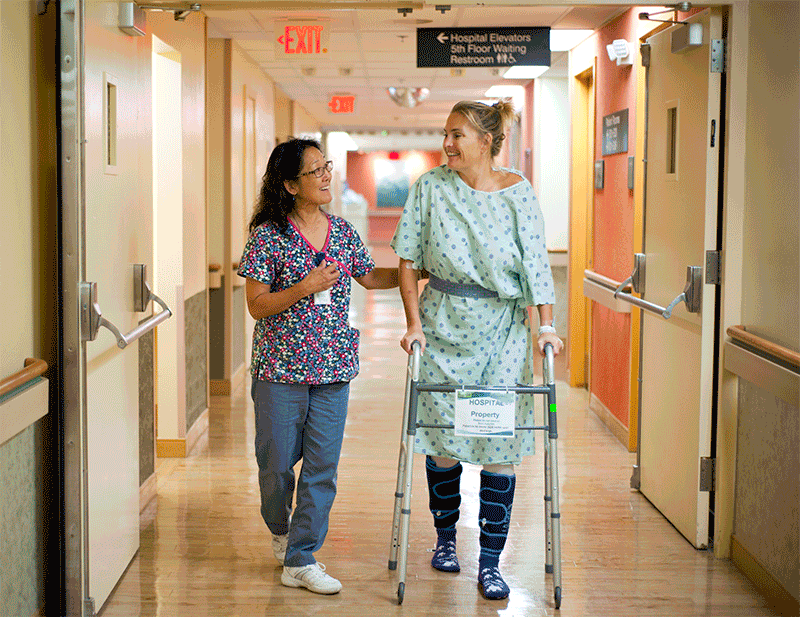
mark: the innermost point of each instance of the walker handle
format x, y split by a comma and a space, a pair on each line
548, 372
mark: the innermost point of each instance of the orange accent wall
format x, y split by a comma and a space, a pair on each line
613, 215
381, 222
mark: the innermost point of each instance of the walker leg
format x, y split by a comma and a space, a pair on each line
398, 493
548, 510
556, 520
405, 516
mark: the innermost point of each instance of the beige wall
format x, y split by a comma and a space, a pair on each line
758, 432
769, 276
188, 38
247, 80
283, 117
28, 271
303, 123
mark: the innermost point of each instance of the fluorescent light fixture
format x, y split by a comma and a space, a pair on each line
516, 93
342, 140
524, 72
564, 40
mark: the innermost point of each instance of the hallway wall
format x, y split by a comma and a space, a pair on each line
28, 271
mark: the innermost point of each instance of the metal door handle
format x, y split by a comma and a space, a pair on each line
92, 317
691, 295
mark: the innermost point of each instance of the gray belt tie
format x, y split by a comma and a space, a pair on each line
464, 290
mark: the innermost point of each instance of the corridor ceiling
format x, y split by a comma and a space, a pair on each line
372, 45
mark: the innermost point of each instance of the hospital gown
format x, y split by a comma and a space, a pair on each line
496, 240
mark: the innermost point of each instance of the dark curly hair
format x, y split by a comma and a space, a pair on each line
275, 203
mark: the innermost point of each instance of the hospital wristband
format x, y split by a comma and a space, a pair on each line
546, 330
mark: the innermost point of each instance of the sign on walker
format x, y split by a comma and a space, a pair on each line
485, 413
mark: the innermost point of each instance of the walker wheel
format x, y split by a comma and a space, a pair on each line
558, 597
401, 591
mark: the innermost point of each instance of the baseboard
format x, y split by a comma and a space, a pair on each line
225, 387
197, 430
171, 448
770, 588
219, 387
147, 491
617, 428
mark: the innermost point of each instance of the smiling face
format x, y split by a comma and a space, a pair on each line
464, 146
307, 188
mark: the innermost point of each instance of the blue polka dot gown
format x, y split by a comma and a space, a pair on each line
496, 240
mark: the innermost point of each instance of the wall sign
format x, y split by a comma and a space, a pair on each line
482, 47
615, 132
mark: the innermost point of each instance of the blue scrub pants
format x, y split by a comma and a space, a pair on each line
294, 422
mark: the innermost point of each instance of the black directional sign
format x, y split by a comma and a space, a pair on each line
482, 47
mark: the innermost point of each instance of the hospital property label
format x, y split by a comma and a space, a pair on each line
482, 47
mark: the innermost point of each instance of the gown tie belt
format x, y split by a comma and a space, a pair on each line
464, 290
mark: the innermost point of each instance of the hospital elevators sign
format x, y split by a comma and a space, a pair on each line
482, 47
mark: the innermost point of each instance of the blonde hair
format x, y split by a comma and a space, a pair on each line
488, 119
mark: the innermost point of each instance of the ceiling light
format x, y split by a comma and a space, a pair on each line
564, 40
408, 97
516, 93
524, 72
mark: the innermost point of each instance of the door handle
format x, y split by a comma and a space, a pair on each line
92, 318
691, 295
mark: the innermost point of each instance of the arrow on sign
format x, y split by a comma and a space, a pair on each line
442, 37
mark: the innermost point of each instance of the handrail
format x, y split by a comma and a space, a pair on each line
34, 368
603, 280
784, 354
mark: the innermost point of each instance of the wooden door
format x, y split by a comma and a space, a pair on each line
681, 207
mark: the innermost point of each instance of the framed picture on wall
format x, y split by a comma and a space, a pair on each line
391, 184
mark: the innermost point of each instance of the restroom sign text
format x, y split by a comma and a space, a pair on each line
482, 47
303, 38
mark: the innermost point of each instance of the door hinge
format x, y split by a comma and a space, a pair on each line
708, 474
644, 49
713, 267
88, 606
718, 55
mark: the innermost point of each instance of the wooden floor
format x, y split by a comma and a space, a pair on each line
206, 552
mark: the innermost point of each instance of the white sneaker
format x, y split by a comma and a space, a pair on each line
312, 577
279, 544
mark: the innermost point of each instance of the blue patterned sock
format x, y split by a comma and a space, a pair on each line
444, 489
496, 499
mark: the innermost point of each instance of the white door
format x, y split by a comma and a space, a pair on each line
683, 159
106, 182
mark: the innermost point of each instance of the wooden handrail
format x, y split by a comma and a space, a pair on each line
603, 280
785, 354
33, 369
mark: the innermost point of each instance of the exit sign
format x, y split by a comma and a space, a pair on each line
302, 38
342, 104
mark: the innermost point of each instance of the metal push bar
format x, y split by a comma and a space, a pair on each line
402, 502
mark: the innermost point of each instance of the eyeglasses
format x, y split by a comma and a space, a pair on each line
317, 173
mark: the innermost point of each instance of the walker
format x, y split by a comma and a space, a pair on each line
402, 503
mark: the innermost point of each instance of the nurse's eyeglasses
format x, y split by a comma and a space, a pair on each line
317, 173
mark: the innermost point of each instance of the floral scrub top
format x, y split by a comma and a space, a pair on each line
496, 240
308, 343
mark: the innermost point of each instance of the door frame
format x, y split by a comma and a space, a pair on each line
582, 87
72, 362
